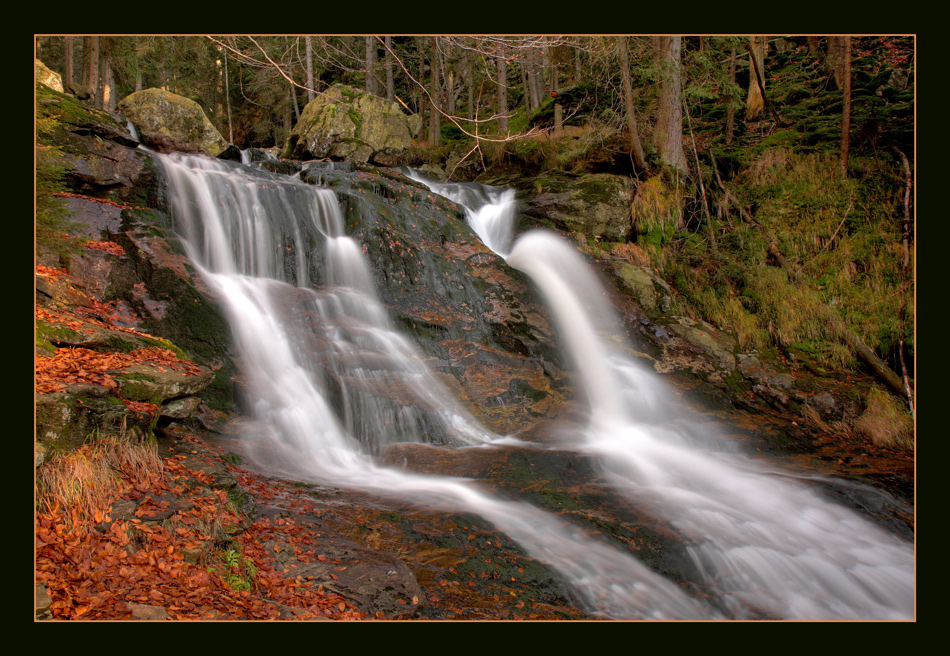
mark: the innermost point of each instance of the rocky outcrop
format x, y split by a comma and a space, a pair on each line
169, 123
46, 76
596, 205
344, 123
99, 156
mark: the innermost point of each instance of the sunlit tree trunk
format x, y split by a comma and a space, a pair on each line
668, 136
755, 102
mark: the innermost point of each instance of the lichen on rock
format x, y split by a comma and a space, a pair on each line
168, 123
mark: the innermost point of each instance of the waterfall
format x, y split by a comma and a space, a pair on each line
764, 541
331, 381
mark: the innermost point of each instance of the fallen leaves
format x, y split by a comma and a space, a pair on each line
71, 365
101, 572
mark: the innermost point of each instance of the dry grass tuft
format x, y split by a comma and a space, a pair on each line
84, 482
885, 421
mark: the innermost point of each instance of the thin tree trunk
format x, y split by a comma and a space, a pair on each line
846, 107
702, 187
814, 46
371, 65
435, 91
636, 148
293, 99
668, 136
730, 107
390, 90
94, 84
86, 49
108, 87
69, 63
502, 71
308, 66
227, 96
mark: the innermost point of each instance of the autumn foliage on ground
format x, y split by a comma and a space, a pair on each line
190, 562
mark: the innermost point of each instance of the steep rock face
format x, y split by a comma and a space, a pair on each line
100, 156
169, 123
345, 123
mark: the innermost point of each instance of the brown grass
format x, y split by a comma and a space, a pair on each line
885, 421
83, 483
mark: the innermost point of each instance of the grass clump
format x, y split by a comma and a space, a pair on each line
885, 421
82, 484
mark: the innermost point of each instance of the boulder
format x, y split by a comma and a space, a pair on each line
48, 77
595, 205
345, 123
168, 123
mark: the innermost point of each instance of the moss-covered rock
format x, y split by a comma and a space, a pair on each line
345, 123
170, 123
595, 205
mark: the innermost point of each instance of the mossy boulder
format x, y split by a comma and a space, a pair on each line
171, 123
345, 123
595, 205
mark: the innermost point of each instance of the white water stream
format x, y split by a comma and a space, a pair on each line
311, 336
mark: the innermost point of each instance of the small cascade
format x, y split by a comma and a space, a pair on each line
490, 211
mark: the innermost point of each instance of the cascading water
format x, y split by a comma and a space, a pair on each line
332, 381
767, 543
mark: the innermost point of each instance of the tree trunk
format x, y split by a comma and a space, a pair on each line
69, 63
755, 103
814, 47
108, 88
534, 71
730, 107
371, 65
834, 61
846, 107
435, 92
308, 65
668, 136
502, 71
94, 70
390, 90
636, 148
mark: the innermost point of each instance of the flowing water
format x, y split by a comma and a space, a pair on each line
332, 382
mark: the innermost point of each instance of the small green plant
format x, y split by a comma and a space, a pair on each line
238, 570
